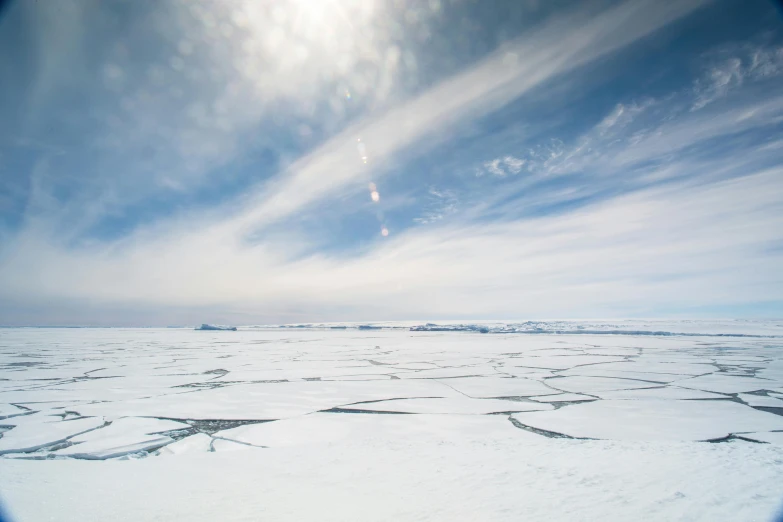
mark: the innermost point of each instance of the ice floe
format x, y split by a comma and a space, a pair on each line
121, 437
652, 420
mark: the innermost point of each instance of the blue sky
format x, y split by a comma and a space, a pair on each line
177, 162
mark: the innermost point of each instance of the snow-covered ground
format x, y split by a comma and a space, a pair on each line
323, 423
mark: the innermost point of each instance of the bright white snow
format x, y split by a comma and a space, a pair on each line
390, 424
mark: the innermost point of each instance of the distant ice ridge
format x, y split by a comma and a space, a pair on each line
547, 328
206, 326
432, 327
694, 328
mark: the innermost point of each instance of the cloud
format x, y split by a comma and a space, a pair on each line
622, 115
230, 94
441, 203
730, 67
179, 90
661, 247
637, 138
502, 167
694, 239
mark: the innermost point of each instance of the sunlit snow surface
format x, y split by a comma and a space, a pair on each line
631, 421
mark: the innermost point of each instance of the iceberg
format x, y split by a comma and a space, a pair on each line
206, 326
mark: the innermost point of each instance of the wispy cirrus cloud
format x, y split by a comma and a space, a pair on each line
622, 115
502, 166
441, 203
728, 68
640, 136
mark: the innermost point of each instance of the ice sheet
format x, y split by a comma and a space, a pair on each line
198, 443
592, 385
770, 437
489, 387
652, 420
360, 429
563, 362
563, 397
34, 435
463, 462
9, 410
721, 383
121, 437
760, 400
268, 401
668, 392
652, 365
538, 480
461, 405
222, 446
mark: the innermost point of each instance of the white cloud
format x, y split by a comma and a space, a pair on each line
622, 115
730, 67
252, 67
710, 238
661, 247
493, 167
602, 256
488, 85
514, 165
441, 203
501, 167
634, 134
718, 81
218, 71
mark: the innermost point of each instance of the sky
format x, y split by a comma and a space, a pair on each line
178, 162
